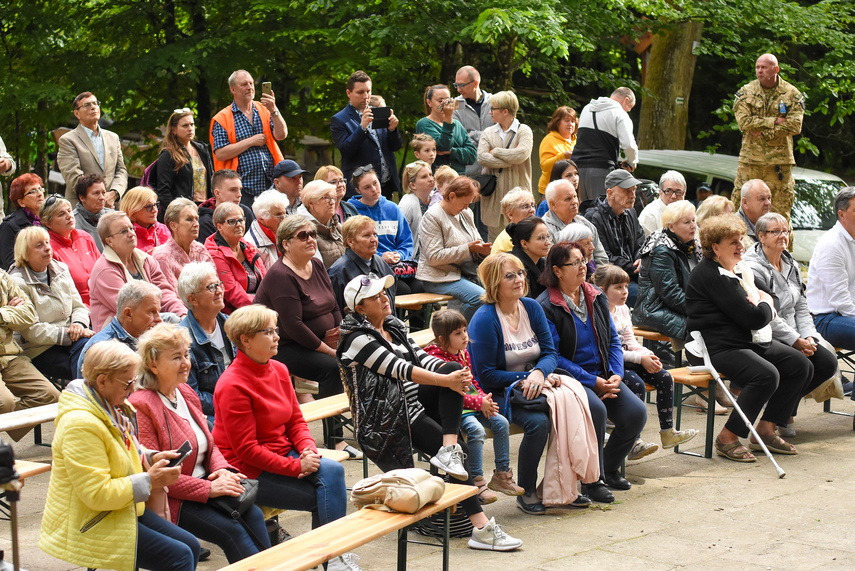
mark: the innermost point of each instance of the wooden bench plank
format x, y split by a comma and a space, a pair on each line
27, 417
336, 455
26, 469
325, 408
650, 335
684, 377
342, 535
423, 338
415, 301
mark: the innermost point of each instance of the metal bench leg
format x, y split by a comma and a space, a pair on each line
708, 448
402, 549
446, 539
37, 435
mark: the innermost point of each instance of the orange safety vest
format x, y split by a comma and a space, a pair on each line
226, 119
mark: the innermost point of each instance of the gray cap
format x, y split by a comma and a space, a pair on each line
621, 178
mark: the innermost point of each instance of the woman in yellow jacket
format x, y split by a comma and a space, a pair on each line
94, 514
558, 143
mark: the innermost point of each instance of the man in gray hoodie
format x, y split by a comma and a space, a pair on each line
604, 130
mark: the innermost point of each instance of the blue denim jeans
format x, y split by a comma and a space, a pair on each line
839, 330
162, 545
537, 427
473, 426
323, 493
208, 523
468, 293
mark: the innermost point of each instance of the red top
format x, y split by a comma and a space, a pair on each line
232, 273
259, 419
150, 238
79, 253
470, 401
163, 429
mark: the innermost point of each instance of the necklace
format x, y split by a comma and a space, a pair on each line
171, 403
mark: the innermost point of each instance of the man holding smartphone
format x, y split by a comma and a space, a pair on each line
362, 144
244, 134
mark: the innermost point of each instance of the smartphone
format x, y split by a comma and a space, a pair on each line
183, 452
381, 117
267, 88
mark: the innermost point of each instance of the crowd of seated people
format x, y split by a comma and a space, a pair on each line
297, 282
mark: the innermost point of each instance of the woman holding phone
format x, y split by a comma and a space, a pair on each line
453, 145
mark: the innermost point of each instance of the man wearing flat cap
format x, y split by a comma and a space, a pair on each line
617, 224
288, 179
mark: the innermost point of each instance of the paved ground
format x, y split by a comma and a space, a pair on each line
682, 512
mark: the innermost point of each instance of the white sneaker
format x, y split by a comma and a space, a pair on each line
641, 449
449, 459
492, 537
344, 562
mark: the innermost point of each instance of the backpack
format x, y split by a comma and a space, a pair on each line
149, 177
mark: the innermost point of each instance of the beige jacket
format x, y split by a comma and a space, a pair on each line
515, 163
15, 318
58, 306
77, 156
444, 244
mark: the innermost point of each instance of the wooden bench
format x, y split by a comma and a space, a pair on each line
342, 535
28, 418
698, 383
417, 301
423, 338
848, 358
333, 407
27, 469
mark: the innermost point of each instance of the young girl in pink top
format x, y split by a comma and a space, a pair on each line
641, 365
479, 410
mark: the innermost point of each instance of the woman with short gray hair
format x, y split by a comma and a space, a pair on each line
517, 205
318, 205
269, 208
182, 219
776, 271
238, 262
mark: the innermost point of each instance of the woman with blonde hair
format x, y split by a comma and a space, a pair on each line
182, 219
318, 205
333, 175
715, 205
141, 205
169, 413
558, 143
517, 205
95, 515
184, 167
420, 188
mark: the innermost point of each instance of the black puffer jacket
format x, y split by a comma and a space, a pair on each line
377, 402
665, 269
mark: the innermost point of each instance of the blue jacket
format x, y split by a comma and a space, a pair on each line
563, 330
206, 361
112, 330
487, 347
393, 230
358, 149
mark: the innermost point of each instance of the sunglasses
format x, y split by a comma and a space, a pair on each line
304, 235
151, 208
185, 110
365, 282
362, 170
52, 199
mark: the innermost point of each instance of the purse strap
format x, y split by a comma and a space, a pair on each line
508, 146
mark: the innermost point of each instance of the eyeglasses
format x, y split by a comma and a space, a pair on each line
495, 108
126, 384
236, 221
213, 287
185, 110
88, 105
362, 170
459, 86
575, 264
778, 232
39, 190
304, 235
124, 231
278, 216
678, 192
51, 199
529, 206
511, 276
337, 181
270, 331
151, 208
329, 198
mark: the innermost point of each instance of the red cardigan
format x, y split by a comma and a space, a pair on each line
160, 428
259, 419
79, 253
232, 272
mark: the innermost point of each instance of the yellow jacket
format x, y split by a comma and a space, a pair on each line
92, 473
552, 149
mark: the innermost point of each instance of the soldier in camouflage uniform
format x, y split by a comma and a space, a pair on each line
769, 112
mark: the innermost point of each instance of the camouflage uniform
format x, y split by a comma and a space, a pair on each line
767, 149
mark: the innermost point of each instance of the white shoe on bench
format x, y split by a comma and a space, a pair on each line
344, 562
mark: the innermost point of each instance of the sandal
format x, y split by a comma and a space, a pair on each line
732, 451
775, 444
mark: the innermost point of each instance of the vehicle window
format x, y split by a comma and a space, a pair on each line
814, 206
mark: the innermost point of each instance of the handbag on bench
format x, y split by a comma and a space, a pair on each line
406, 490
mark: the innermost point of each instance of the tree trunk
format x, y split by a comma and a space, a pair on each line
670, 69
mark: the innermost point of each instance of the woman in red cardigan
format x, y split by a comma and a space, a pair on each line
238, 262
168, 413
261, 431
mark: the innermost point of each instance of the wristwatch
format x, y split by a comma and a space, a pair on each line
276, 112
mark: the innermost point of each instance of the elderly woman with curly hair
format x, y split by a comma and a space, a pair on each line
734, 317
318, 205
26, 196
168, 414
558, 143
332, 174
141, 205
